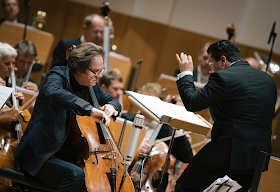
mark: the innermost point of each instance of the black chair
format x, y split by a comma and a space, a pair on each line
262, 165
23, 181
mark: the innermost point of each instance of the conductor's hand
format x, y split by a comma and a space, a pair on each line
144, 147
185, 62
109, 110
31, 86
99, 116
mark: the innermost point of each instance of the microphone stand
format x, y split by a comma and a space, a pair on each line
124, 123
273, 36
27, 5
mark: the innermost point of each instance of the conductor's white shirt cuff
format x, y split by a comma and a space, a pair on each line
182, 74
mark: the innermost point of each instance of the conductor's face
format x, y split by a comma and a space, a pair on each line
92, 74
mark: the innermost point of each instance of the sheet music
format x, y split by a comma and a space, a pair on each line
160, 108
5, 93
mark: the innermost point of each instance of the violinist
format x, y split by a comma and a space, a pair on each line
45, 150
7, 60
26, 55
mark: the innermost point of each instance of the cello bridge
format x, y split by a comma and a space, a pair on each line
110, 155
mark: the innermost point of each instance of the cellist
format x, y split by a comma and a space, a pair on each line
44, 150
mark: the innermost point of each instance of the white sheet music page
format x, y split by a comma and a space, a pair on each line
160, 108
5, 93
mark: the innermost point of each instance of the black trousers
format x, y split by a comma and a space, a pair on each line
198, 176
62, 174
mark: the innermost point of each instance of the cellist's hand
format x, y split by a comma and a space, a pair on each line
10, 114
109, 110
99, 115
20, 97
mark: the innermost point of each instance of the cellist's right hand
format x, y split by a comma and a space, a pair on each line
10, 114
99, 115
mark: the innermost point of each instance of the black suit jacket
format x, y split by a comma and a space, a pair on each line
50, 123
59, 53
241, 101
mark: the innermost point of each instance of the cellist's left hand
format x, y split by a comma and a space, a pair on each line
109, 110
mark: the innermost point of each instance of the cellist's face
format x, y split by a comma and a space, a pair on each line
6, 66
89, 78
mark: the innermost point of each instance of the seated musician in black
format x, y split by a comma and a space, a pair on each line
44, 150
181, 149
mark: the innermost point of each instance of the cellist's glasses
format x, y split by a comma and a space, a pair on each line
96, 73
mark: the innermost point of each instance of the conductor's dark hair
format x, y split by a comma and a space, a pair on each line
80, 57
225, 48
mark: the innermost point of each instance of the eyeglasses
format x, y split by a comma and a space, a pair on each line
96, 73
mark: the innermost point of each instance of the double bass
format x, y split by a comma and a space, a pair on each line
98, 154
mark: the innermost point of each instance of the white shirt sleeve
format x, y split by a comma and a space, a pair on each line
182, 74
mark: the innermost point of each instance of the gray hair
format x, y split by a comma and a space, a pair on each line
7, 50
27, 48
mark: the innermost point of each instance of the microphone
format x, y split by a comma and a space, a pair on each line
139, 62
132, 144
272, 33
133, 141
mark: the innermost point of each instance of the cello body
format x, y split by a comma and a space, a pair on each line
97, 158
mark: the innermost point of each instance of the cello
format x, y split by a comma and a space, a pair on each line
98, 154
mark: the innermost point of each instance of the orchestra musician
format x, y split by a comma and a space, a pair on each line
26, 55
93, 27
45, 151
7, 61
241, 101
111, 83
11, 11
